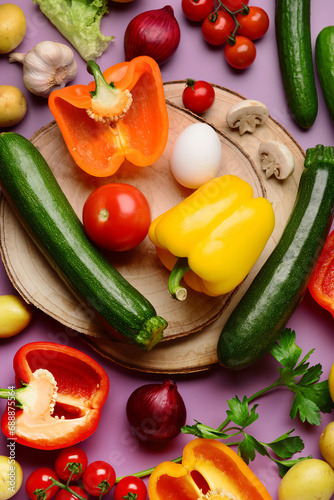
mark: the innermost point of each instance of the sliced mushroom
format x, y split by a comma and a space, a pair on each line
276, 159
247, 115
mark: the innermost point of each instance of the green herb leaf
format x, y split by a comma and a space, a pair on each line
286, 350
286, 445
239, 412
248, 446
203, 431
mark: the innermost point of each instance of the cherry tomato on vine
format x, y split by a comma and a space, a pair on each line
67, 495
242, 54
217, 27
197, 10
39, 479
98, 478
70, 462
198, 96
253, 25
234, 5
130, 484
117, 216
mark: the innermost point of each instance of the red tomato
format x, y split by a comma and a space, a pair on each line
39, 479
98, 478
116, 216
66, 495
71, 462
197, 10
242, 54
234, 5
253, 25
130, 484
198, 96
217, 27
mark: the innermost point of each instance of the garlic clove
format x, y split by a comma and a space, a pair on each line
46, 67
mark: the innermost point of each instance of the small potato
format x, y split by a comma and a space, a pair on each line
15, 315
11, 476
13, 26
326, 444
310, 479
13, 105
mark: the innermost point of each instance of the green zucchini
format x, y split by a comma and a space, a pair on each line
293, 39
262, 313
324, 58
44, 211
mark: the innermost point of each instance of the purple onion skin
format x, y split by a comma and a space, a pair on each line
154, 33
156, 412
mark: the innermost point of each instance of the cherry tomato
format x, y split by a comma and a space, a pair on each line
98, 478
67, 495
197, 10
130, 484
234, 5
116, 216
255, 24
242, 54
198, 96
71, 462
217, 27
39, 479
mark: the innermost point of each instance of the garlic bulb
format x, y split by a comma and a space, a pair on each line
46, 67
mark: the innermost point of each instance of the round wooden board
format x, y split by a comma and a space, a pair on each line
200, 316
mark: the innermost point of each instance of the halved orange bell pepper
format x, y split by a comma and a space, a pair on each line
210, 470
59, 397
321, 284
121, 115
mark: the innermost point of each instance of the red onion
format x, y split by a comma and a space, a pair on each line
154, 33
156, 412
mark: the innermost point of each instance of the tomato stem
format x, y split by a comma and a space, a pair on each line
64, 487
244, 11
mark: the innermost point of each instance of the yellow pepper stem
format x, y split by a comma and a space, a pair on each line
180, 268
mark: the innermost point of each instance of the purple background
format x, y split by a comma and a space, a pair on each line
205, 394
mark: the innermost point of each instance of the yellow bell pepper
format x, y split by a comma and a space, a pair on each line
214, 237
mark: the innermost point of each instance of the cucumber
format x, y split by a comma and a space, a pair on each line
293, 39
324, 57
44, 211
262, 313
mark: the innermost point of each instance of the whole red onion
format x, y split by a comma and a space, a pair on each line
154, 33
156, 412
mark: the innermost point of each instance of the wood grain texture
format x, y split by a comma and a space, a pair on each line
194, 325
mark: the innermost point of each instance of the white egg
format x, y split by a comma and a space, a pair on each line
196, 156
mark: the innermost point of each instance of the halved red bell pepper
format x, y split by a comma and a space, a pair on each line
321, 284
209, 470
121, 115
59, 396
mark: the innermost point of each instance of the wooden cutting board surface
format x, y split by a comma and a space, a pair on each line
194, 325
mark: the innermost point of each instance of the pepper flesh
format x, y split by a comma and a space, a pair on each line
137, 133
220, 230
50, 419
209, 469
321, 285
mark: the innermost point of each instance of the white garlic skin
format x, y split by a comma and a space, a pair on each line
46, 67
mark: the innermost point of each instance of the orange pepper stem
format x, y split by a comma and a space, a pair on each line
94, 69
180, 268
108, 103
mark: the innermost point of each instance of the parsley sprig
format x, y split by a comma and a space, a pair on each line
311, 399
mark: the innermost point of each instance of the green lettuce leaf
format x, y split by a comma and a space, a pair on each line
79, 22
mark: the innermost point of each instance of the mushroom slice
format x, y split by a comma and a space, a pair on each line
247, 115
276, 159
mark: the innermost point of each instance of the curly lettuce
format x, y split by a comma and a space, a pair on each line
79, 22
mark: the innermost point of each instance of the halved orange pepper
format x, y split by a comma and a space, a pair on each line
209, 470
121, 115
